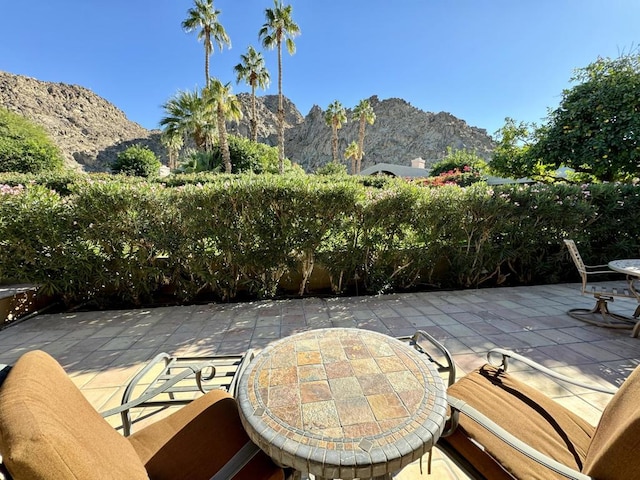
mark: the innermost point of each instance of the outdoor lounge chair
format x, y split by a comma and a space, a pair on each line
168, 381
502, 428
599, 315
48, 430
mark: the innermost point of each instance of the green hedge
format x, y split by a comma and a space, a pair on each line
104, 238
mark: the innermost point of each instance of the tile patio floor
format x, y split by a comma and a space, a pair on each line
102, 350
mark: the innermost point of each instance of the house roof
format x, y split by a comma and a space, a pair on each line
395, 170
505, 181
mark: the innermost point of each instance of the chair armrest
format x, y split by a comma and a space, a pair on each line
244, 363
515, 443
507, 354
420, 341
149, 394
608, 270
237, 462
152, 391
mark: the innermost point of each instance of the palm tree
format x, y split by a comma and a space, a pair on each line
227, 107
187, 116
204, 17
173, 142
279, 27
364, 113
335, 116
253, 71
351, 152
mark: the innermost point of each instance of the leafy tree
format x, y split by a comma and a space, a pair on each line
249, 156
227, 107
332, 168
351, 152
510, 157
462, 160
253, 70
25, 147
204, 18
595, 130
137, 161
335, 116
187, 116
365, 114
246, 156
279, 27
459, 167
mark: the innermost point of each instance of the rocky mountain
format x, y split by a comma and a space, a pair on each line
399, 134
91, 131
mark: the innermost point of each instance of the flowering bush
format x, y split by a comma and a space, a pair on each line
126, 238
11, 190
460, 177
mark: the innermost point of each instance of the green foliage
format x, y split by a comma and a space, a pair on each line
510, 157
26, 147
125, 225
137, 161
249, 156
462, 160
195, 161
246, 156
332, 168
126, 238
594, 131
59, 181
459, 167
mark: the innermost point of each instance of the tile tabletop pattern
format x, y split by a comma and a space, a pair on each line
342, 403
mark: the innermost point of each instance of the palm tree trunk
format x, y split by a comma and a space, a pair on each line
280, 112
361, 142
224, 145
206, 66
253, 123
334, 143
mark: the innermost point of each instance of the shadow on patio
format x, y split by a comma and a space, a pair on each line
102, 350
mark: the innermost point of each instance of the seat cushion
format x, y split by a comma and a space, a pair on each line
49, 430
613, 452
527, 414
197, 440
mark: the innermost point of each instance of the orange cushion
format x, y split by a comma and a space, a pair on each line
613, 453
49, 430
524, 412
197, 440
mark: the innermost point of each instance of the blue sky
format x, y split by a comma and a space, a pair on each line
482, 61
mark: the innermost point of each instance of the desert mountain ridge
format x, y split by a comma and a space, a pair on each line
91, 131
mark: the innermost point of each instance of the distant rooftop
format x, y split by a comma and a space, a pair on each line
395, 170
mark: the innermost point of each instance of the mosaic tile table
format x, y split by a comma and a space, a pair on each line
342, 403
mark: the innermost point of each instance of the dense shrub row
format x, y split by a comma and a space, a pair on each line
118, 238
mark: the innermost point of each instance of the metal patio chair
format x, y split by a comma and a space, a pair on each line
600, 315
168, 381
502, 428
48, 430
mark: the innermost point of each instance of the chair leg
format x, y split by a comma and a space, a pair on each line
601, 308
636, 330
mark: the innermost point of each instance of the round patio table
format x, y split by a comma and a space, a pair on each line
342, 403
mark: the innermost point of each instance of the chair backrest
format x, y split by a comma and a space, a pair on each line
615, 444
577, 260
48, 429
